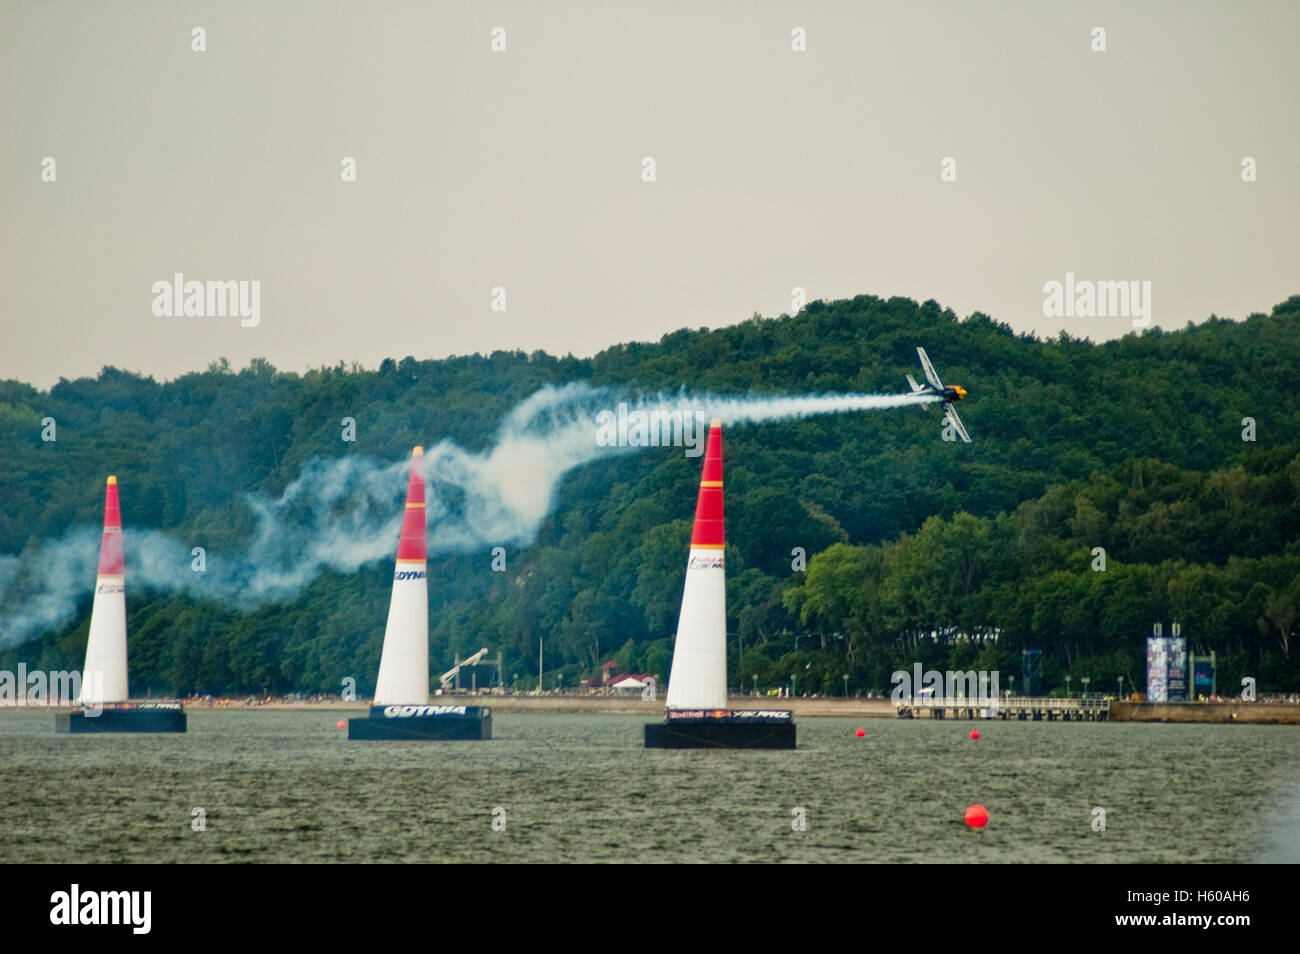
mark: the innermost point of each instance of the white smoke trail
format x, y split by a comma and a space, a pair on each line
342, 514
42, 588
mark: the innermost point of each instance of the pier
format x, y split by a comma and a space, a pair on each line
1091, 708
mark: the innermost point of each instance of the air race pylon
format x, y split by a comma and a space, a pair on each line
104, 675
104, 694
697, 715
699, 673
404, 661
401, 707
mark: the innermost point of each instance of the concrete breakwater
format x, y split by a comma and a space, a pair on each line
1253, 713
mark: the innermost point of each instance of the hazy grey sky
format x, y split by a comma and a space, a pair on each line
522, 169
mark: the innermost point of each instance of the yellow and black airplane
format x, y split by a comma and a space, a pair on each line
950, 394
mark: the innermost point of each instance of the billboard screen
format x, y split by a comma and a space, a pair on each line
1157, 669
1204, 677
1176, 675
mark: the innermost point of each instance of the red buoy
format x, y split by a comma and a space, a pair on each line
976, 816
342, 724
861, 733
975, 734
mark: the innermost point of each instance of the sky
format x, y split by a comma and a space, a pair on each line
523, 169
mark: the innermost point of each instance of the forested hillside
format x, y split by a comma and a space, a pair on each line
917, 549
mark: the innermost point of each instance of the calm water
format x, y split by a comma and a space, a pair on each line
288, 786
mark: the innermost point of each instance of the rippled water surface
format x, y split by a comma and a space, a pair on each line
289, 786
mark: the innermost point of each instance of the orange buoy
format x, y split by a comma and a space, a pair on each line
976, 816
975, 734
861, 733
342, 724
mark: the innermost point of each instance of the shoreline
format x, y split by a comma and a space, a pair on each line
575, 704
1213, 713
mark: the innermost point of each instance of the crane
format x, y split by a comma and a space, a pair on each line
447, 677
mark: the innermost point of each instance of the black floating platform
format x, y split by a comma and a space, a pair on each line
423, 723
722, 729
158, 717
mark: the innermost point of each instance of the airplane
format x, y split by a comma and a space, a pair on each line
949, 394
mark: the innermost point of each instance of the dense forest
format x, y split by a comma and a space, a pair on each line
917, 549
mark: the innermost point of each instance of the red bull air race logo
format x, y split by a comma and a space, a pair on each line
706, 561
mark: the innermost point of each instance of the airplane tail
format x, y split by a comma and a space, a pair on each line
917, 389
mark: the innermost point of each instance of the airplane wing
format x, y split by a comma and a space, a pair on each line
955, 421
930, 374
